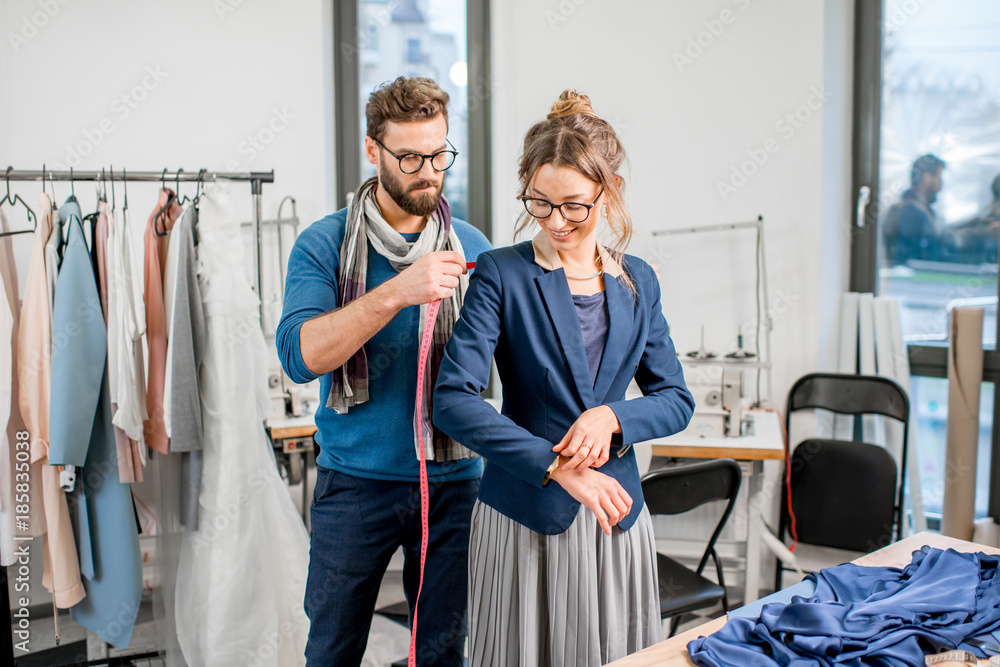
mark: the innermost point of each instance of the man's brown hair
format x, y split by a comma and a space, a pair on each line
403, 100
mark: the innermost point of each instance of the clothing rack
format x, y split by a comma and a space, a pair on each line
256, 180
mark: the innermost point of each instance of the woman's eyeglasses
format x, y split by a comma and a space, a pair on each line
571, 211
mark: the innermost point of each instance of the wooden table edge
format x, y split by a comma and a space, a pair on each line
283, 432
713, 452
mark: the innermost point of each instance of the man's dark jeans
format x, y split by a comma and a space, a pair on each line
357, 525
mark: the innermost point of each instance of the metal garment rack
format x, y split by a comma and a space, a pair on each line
256, 179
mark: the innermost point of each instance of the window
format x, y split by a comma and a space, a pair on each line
927, 178
929, 402
371, 41
939, 156
413, 52
446, 40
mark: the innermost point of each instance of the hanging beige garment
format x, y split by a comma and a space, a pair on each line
8, 267
61, 574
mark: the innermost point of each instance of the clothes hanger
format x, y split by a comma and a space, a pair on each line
57, 221
13, 201
196, 201
64, 235
177, 188
201, 181
92, 217
52, 200
161, 215
90, 220
125, 186
113, 202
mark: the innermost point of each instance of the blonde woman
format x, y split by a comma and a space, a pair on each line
562, 560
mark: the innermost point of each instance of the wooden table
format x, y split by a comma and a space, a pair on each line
295, 437
766, 442
674, 650
292, 427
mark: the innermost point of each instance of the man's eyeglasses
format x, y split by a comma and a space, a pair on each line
411, 163
540, 209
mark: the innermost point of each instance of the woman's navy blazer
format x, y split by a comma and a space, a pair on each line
519, 310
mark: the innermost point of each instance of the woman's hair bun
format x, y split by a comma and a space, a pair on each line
571, 102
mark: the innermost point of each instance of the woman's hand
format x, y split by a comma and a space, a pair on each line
601, 494
588, 442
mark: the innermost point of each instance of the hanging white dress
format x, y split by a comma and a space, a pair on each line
130, 332
242, 574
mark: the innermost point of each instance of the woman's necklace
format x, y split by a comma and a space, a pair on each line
600, 264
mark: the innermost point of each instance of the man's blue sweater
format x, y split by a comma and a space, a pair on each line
374, 439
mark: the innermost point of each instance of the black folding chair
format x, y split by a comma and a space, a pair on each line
676, 490
845, 494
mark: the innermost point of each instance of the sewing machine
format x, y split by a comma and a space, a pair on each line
718, 390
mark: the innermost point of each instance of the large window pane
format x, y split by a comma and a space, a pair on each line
929, 400
420, 38
940, 103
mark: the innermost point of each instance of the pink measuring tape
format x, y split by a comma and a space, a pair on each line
425, 348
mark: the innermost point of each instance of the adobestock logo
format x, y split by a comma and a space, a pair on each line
121, 108
256, 142
786, 126
704, 39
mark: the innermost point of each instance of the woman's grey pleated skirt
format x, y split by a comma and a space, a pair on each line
578, 599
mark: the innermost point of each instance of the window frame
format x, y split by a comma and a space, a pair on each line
347, 100
925, 360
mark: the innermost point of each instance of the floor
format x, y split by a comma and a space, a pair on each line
388, 641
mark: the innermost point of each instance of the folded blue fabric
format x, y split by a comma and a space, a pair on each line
860, 615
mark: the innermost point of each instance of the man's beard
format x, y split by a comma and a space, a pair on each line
420, 205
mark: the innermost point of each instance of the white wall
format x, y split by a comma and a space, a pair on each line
226, 71
226, 75
687, 118
686, 124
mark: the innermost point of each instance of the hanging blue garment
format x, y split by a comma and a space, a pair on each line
80, 434
860, 615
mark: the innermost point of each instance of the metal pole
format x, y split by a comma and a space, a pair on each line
256, 190
256, 178
763, 319
726, 226
767, 308
148, 176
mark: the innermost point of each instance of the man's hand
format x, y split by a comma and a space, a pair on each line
328, 341
601, 494
433, 276
588, 442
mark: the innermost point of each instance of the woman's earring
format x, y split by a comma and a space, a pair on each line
604, 211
